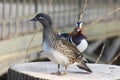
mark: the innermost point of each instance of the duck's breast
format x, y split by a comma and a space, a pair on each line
82, 46
54, 55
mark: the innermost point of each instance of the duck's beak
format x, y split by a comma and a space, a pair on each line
33, 19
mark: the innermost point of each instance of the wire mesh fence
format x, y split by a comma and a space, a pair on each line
15, 14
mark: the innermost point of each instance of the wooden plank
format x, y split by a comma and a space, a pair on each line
19, 43
103, 30
43, 70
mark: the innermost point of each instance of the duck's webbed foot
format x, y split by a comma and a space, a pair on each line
59, 73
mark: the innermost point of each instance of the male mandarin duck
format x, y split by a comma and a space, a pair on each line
58, 50
76, 37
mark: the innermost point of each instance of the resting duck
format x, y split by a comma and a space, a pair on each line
76, 37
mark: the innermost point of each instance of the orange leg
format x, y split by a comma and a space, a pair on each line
66, 67
58, 72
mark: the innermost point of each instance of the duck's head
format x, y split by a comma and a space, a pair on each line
42, 17
78, 26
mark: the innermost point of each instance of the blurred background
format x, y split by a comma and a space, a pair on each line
101, 20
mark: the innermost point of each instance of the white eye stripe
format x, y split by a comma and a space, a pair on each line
78, 24
41, 17
81, 24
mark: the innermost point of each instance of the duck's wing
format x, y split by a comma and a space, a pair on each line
75, 51
76, 55
69, 50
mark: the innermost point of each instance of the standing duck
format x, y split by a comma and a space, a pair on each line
76, 37
58, 50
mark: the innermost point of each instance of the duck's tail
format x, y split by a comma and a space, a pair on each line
82, 65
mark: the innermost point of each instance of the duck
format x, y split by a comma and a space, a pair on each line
76, 37
59, 51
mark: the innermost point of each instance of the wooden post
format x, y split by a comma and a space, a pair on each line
43, 70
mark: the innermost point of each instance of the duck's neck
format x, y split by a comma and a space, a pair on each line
74, 33
49, 36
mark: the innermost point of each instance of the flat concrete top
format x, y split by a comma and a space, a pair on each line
44, 70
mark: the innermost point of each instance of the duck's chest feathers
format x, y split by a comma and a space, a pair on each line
54, 55
46, 46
